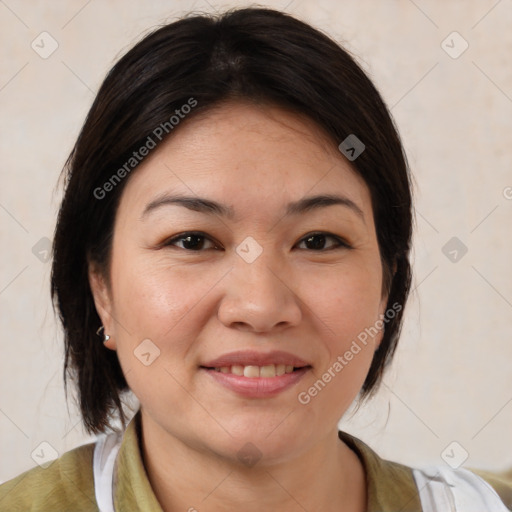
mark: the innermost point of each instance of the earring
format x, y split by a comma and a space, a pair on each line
100, 330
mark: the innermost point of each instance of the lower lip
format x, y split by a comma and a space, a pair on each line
257, 387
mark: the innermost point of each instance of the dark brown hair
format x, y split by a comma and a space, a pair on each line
249, 54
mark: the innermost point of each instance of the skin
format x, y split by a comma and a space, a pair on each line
197, 305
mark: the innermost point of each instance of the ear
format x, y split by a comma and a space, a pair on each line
103, 302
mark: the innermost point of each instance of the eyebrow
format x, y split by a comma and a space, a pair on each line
321, 201
208, 206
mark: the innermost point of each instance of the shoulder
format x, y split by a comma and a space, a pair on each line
501, 482
393, 486
67, 484
390, 485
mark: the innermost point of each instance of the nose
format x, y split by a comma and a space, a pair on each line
259, 298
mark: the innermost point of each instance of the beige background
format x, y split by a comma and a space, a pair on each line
452, 379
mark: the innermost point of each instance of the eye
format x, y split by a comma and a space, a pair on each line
322, 242
191, 241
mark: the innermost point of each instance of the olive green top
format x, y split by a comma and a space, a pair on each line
68, 483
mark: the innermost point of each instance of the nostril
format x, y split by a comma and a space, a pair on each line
241, 326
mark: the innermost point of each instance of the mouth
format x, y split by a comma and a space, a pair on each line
253, 371
256, 375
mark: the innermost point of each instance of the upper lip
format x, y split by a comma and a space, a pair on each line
255, 358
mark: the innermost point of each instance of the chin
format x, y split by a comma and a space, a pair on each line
265, 441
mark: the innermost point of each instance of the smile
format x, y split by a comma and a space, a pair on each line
252, 372
256, 374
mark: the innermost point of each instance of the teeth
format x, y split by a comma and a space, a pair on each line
237, 370
252, 371
268, 371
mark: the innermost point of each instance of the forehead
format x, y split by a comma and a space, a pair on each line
243, 153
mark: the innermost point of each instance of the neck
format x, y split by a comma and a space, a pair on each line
328, 477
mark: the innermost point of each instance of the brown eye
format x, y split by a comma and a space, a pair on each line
191, 242
321, 242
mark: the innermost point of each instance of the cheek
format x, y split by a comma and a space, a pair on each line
346, 313
346, 299
159, 303
345, 304
156, 300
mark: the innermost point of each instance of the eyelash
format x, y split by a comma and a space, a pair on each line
340, 242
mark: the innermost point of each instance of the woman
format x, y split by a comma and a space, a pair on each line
236, 229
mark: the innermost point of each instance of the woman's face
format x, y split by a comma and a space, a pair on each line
230, 265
